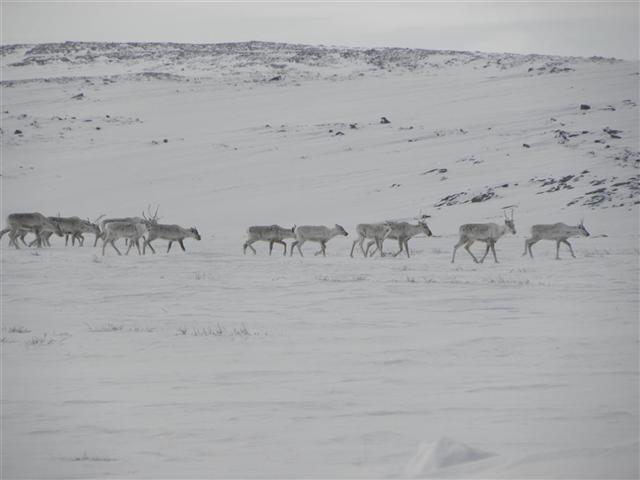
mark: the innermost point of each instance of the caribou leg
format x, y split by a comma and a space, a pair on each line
493, 250
486, 251
353, 247
467, 246
113, 244
148, 243
282, 243
455, 248
530, 243
565, 241
297, 244
13, 237
248, 244
369, 244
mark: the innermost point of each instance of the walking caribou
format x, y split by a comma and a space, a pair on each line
152, 219
115, 230
375, 231
107, 221
488, 233
72, 227
172, 233
559, 232
319, 234
272, 234
403, 232
21, 223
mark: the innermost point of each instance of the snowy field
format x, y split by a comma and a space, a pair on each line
210, 363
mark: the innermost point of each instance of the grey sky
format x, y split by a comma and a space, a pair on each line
564, 28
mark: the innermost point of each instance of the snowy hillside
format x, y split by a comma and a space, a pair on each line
215, 364
258, 61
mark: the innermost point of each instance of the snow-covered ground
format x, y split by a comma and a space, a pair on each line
213, 364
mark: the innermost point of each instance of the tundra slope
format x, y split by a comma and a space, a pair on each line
347, 367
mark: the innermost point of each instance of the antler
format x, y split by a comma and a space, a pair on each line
152, 218
510, 207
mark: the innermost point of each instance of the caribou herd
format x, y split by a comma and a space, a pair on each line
377, 233
131, 229
148, 229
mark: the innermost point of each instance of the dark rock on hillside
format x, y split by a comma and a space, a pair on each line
483, 197
612, 132
384, 120
449, 200
438, 170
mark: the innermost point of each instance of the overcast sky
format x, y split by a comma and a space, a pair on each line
605, 28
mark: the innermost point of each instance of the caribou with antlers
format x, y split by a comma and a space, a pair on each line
558, 232
144, 220
488, 233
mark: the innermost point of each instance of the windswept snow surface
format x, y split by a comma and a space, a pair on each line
213, 364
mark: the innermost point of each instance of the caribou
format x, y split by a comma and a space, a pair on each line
107, 221
88, 226
72, 226
272, 234
172, 233
144, 220
23, 223
116, 230
319, 234
375, 231
559, 232
403, 232
488, 233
